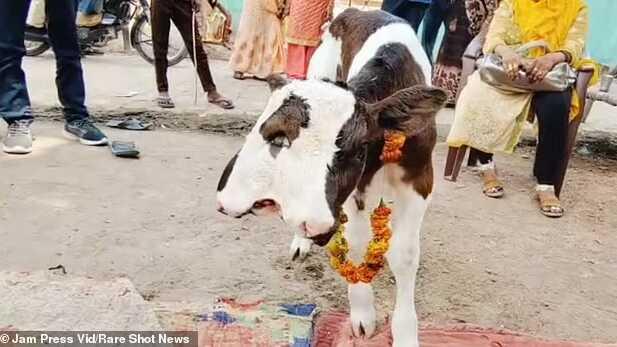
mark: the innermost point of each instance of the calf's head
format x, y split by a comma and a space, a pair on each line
307, 151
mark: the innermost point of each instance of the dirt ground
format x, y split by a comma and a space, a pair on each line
493, 263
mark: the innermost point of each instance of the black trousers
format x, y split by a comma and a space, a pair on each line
552, 110
180, 12
411, 11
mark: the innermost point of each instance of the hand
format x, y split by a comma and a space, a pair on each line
538, 68
512, 63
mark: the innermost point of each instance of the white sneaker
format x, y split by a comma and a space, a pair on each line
18, 139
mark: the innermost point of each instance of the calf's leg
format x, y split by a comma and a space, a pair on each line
403, 259
361, 299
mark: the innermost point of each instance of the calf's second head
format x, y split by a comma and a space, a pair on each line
307, 151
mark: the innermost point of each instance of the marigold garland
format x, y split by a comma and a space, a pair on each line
376, 250
380, 223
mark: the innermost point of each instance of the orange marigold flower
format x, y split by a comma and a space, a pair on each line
394, 142
366, 273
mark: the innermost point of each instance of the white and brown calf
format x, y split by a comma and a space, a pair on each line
315, 152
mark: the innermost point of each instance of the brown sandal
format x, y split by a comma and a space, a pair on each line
222, 103
550, 205
239, 75
492, 187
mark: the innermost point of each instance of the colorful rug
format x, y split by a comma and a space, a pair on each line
333, 329
230, 324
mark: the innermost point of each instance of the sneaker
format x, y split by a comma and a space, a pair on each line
18, 138
86, 132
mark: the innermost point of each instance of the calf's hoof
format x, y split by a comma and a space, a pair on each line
363, 322
300, 248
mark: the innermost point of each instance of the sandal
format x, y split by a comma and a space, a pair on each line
222, 103
165, 102
493, 187
239, 75
550, 205
130, 124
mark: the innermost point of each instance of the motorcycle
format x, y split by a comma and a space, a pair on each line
117, 16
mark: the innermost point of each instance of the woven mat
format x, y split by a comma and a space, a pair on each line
257, 324
333, 329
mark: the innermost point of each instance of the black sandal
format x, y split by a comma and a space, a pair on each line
130, 124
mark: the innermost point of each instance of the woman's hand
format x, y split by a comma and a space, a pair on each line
512, 62
538, 68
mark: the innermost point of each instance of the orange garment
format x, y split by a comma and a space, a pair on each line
298, 58
306, 17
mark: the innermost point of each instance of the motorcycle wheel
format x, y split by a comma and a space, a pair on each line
141, 39
34, 48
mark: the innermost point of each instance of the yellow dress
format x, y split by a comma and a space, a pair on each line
490, 119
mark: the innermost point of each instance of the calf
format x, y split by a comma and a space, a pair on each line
315, 152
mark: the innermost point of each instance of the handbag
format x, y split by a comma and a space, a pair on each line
492, 72
218, 26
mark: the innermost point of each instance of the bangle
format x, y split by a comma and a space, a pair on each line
567, 56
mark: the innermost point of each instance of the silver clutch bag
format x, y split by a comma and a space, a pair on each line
492, 72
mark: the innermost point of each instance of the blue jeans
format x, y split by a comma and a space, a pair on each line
411, 11
434, 17
14, 99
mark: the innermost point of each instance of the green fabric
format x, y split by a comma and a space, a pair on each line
235, 8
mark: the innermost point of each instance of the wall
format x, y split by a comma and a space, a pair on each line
602, 41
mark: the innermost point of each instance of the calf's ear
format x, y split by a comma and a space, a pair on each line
409, 110
276, 81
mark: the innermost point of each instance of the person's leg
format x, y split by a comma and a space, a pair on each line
160, 22
296, 61
483, 157
434, 17
309, 54
69, 74
492, 186
14, 100
552, 111
412, 12
182, 16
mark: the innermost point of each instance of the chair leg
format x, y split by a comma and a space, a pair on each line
454, 162
460, 156
450, 159
587, 109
